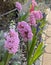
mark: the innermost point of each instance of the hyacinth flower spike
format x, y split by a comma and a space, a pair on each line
11, 45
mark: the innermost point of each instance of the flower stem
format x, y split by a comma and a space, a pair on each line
7, 57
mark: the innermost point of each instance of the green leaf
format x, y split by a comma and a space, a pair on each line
34, 41
33, 30
23, 17
5, 57
43, 22
37, 54
2, 63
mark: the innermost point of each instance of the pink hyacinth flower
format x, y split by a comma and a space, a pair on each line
11, 42
32, 20
18, 6
37, 14
34, 16
25, 31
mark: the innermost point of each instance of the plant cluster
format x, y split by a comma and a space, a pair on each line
29, 27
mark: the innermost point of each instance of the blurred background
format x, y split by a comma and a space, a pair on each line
8, 5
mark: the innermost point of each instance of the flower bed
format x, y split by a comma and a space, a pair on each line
24, 36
